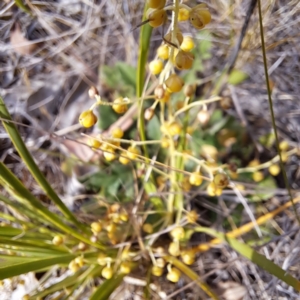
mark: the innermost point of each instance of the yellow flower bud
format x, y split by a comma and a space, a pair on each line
200, 16
213, 190
96, 227
174, 275
221, 180
183, 14
163, 52
156, 4
156, 66
117, 133
195, 179
274, 170
156, 17
179, 38
132, 153
187, 44
87, 119
174, 83
174, 249
258, 176
107, 272
57, 240
177, 233
184, 60
120, 105
157, 271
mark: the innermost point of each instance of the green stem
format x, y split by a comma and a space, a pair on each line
145, 34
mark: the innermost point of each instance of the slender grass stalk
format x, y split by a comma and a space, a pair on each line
106, 289
192, 275
34, 265
32, 166
247, 227
263, 48
254, 256
145, 35
12, 184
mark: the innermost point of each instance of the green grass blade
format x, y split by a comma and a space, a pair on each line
31, 165
255, 257
64, 284
13, 232
20, 4
12, 184
144, 44
33, 246
145, 35
34, 265
104, 290
22, 209
83, 281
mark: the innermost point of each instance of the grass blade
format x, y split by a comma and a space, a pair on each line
264, 54
254, 256
31, 165
145, 35
192, 275
12, 184
106, 288
34, 265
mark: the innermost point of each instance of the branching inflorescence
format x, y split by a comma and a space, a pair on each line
176, 125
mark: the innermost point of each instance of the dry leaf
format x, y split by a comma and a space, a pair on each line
20, 44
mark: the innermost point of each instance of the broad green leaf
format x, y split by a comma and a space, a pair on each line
153, 129
120, 77
255, 257
106, 116
236, 77
104, 290
128, 73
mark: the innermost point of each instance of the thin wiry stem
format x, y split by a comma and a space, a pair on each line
286, 182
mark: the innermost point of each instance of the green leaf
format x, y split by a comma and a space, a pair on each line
255, 257
128, 74
205, 44
268, 184
106, 116
34, 265
153, 129
120, 77
104, 290
115, 180
20, 4
236, 77
267, 140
